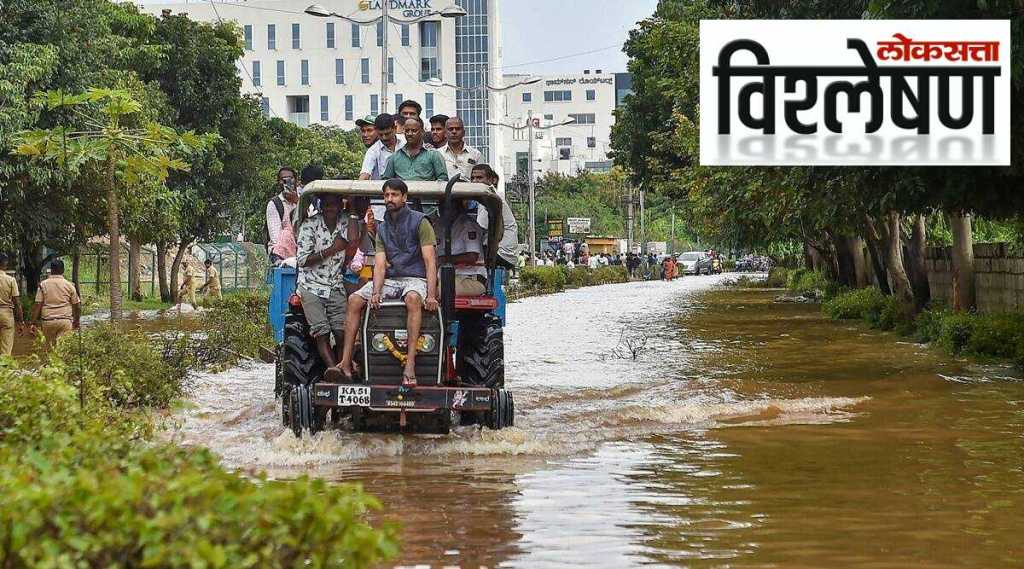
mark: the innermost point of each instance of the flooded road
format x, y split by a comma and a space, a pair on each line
746, 434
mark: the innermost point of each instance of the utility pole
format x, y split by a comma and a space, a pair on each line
384, 21
533, 197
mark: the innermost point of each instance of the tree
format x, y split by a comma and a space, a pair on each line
123, 154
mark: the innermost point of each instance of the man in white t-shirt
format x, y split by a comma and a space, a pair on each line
375, 161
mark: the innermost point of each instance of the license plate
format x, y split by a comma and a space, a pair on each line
354, 396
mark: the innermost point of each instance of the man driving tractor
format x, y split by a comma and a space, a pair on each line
405, 267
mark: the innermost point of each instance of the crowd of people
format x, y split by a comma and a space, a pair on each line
637, 265
350, 255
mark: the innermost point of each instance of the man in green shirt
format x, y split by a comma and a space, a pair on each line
414, 163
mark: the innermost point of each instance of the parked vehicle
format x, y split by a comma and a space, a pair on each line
695, 263
460, 362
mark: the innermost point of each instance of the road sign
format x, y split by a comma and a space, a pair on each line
578, 224
554, 228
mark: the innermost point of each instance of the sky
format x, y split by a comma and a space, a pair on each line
541, 30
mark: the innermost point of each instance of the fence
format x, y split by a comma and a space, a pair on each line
998, 276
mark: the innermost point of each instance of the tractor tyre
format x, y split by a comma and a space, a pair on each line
484, 354
302, 414
279, 385
502, 413
286, 406
301, 364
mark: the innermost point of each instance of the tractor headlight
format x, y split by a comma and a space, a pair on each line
378, 343
427, 343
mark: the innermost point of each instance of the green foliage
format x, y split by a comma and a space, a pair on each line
235, 328
549, 279
802, 281
544, 280
985, 335
865, 303
778, 277
126, 368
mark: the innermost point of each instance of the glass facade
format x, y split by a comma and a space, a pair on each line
472, 53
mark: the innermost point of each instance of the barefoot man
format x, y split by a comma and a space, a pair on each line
405, 267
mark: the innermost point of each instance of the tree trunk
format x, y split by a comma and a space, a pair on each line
828, 254
845, 262
963, 261
114, 229
808, 256
175, 265
874, 244
134, 269
901, 288
161, 271
855, 247
817, 260
916, 267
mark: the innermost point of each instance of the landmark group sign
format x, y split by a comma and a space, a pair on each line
855, 92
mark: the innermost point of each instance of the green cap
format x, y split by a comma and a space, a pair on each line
366, 121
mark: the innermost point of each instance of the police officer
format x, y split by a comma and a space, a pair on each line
10, 309
57, 306
212, 285
188, 286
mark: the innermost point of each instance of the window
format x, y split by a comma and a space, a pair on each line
265, 106
428, 33
374, 104
380, 34
398, 101
339, 71
364, 70
405, 35
325, 114
549, 117
349, 111
391, 70
330, 34
591, 95
563, 141
305, 71
271, 36
428, 104
591, 142
257, 75
428, 69
248, 37
527, 97
296, 42
280, 72
584, 118
355, 35
557, 96
564, 153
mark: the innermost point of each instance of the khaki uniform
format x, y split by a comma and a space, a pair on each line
8, 296
56, 296
188, 286
212, 283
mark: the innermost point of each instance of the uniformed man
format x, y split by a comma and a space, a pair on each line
212, 285
11, 318
57, 306
467, 252
188, 286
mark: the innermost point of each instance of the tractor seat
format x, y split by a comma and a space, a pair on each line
476, 303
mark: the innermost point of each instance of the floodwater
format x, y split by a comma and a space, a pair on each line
747, 433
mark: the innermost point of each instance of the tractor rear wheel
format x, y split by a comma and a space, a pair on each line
300, 363
484, 353
503, 410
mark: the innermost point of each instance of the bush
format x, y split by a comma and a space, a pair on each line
608, 275
864, 303
126, 368
777, 277
546, 279
802, 281
236, 328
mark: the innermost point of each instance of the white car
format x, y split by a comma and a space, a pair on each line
694, 263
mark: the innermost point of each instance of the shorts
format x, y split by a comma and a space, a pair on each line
395, 289
324, 314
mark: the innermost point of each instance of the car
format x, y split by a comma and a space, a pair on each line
460, 358
695, 263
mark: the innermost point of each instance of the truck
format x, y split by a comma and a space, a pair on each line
460, 356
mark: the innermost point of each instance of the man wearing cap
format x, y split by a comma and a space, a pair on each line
367, 130
438, 135
458, 156
413, 162
376, 159
406, 110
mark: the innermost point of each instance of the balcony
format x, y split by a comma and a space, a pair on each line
299, 119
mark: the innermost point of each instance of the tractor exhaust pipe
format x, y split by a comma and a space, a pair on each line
446, 274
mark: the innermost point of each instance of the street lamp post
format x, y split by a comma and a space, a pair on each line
532, 209
385, 20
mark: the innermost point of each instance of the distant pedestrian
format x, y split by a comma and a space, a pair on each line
187, 291
11, 318
57, 307
211, 286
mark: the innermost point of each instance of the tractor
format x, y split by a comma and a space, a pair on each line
460, 356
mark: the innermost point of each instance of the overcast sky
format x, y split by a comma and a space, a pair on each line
541, 30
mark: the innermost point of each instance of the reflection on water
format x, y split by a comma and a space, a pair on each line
750, 434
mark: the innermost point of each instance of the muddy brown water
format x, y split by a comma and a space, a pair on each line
747, 434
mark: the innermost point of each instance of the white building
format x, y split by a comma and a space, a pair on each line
315, 70
588, 98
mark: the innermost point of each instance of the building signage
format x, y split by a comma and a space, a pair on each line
855, 92
408, 8
581, 81
578, 224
